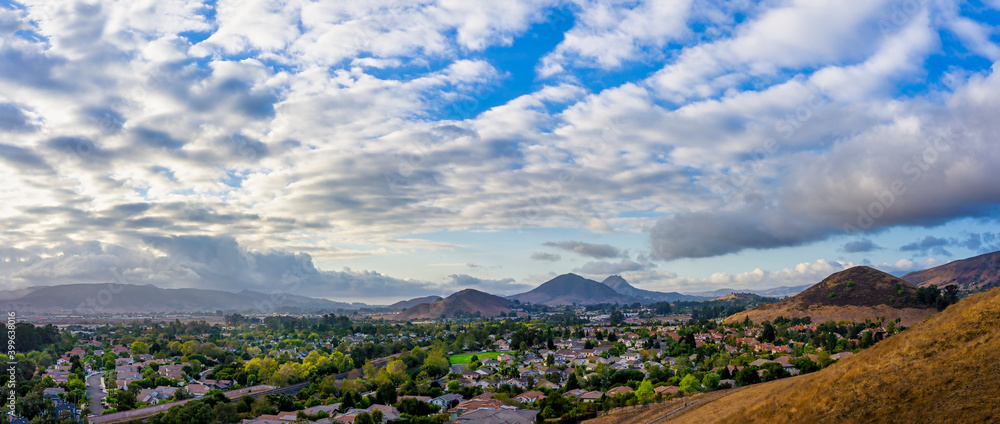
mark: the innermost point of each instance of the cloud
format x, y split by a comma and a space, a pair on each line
543, 256
862, 245
598, 251
203, 262
501, 286
605, 268
930, 245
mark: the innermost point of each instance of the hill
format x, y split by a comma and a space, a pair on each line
466, 302
407, 304
941, 370
618, 284
854, 294
568, 289
130, 298
970, 275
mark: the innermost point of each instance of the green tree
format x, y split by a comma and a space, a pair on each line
690, 384
617, 317
645, 390
711, 381
364, 418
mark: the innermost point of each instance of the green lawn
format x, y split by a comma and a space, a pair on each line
465, 358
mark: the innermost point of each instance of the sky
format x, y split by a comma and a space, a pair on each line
380, 150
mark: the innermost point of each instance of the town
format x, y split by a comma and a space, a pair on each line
533, 365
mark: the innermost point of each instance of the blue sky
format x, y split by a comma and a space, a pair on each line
382, 150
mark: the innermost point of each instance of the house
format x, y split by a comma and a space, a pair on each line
53, 393
530, 396
425, 399
576, 392
591, 396
198, 390
498, 416
620, 390
447, 401
389, 413
667, 390
267, 419
155, 395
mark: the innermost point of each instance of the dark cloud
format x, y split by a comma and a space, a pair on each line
929, 244
24, 159
597, 251
857, 246
544, 256
706, 234
14, 120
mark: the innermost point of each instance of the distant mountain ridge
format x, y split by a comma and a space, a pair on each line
130, 298
853, 294
570, 289
974, 274
619, 285
782, 291
467, 302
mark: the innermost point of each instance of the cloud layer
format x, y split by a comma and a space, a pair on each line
226, 143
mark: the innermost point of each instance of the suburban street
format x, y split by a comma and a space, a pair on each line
95, 393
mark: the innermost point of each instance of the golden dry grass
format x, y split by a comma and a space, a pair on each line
943, 370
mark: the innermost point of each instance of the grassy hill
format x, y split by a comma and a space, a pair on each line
942, 370
854, 294
970, 275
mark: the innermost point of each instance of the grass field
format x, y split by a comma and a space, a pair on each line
465, 358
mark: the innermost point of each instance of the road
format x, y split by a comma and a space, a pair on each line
95, 393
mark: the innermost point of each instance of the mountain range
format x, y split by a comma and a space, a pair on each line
128, 298
782, 291
619, 285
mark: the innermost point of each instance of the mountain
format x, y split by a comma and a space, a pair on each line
130, 298
772, 292
568, 289
407, 304
971, 275
466, 302
941, 370
854, 294
618, 284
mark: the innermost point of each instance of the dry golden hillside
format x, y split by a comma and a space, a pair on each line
943, 370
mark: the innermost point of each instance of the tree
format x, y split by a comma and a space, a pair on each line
364, 418
377, 416
867, 340
139, 348
645, 390
690, 384
617, 317
225, 413
711, 381
767, 335
572, 383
